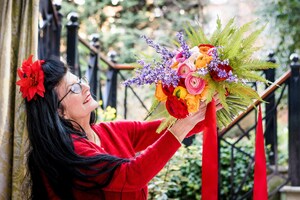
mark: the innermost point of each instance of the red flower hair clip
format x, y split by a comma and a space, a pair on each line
31, 78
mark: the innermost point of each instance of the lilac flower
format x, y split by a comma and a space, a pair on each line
232, 78
165, 54
202, 71
149, 75
185, 48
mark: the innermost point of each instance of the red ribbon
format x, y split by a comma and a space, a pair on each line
260, 190
210, 155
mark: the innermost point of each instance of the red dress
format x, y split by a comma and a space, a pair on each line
125, 139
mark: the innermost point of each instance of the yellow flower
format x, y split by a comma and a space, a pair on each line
180, 92
159, 93
193, 102
203, 94
203, 60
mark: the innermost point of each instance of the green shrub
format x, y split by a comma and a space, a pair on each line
181, 178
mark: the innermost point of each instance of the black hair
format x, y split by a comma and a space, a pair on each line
51, 157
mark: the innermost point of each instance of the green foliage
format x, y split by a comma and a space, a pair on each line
284, 26
181, 178
120, 26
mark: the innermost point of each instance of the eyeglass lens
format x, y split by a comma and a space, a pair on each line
76, 87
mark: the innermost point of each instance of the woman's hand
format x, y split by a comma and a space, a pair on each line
183, 126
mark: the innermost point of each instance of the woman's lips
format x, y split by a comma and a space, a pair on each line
87, 99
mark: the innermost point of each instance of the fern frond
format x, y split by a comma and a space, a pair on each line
225, 33
243, 91
216, 33
253, 77
249, 41
192, 36
258, 65
234, 44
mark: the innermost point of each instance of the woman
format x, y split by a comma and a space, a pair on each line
70, 157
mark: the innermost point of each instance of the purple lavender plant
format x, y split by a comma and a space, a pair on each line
148, 75
185, 48
165, 54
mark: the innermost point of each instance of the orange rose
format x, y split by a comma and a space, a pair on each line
159, 93
193, 102
203, 48
203, 60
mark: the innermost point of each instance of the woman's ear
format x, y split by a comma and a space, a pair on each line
60, 112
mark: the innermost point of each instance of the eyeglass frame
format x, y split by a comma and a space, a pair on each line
81, 80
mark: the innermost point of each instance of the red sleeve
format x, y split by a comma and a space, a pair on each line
144, 134
136, 174
140, 133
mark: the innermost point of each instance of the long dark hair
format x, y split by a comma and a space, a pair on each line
51, 153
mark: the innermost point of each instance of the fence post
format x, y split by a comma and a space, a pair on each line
92, 71
72, 41
111, 83
294, 121
57, 34
271, 115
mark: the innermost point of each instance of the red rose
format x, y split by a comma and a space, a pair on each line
215, 74
176, 107
168, 90
181, 82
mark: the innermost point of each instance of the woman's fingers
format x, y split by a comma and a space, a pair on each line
219, 106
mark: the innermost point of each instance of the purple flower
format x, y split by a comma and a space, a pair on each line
185, 48
149, 75
165, 54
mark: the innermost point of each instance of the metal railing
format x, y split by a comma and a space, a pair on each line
288, 86
49, 29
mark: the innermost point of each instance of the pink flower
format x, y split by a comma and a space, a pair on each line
180, 57
194, 85
183, 70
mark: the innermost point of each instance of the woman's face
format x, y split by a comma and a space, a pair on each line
76, 106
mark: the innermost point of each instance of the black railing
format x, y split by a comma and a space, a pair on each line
276, 177
49, 29
271, 115
294, 124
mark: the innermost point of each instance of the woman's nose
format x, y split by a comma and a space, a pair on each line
85, 86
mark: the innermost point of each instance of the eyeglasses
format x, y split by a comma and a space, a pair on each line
76, 88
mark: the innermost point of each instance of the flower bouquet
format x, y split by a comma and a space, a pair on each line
200, 67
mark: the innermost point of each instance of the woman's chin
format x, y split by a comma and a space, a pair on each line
94, 104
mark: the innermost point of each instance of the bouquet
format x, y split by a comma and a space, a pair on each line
200, 67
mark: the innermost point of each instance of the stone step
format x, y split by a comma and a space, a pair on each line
290, 193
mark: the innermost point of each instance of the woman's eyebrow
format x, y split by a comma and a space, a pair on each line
70, 85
